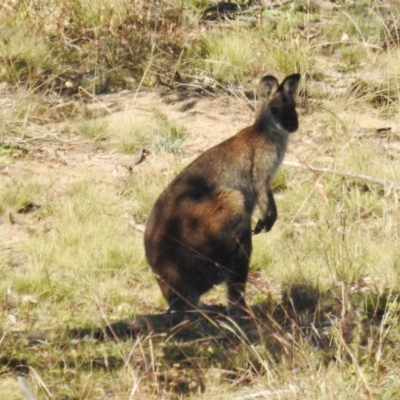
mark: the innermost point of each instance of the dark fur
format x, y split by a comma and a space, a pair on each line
199, 231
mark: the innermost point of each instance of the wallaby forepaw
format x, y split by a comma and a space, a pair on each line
268, 225
259, 227
263, 225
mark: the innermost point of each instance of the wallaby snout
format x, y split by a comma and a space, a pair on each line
284, 113
199, 232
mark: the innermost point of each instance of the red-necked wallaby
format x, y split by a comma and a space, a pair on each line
199, 231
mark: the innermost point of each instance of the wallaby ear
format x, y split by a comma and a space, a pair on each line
290, 84
267, 87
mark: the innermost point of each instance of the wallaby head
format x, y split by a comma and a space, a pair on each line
278, 109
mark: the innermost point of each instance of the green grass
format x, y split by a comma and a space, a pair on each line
93, 129
18, 193
228, 56
86, 44
25, 54
86, 235
169, 135
130, 134
157, 131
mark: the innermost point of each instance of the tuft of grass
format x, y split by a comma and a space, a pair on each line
130, 134
379, 93
19, 193
292, 59
25, 55
352, 56
169, 135
229, 56
95, 129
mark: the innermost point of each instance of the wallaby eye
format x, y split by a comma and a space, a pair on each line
275, 110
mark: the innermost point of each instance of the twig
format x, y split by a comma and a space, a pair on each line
273, 4
44, 137
348, 174
346, 43
138, 227
40, 382
266, 394
148, 66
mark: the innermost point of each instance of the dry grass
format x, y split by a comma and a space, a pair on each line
326, 278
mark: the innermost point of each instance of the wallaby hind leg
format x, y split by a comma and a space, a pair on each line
237, 306
180, 308
238, 269
181, 299
184, 302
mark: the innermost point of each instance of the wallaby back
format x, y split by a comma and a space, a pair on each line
199, 231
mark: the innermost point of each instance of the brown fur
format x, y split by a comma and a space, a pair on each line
199, 231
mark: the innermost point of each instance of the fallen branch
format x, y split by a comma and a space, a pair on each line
45, 137
25, 388
348, 174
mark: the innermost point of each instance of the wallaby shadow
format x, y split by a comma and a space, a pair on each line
300, 308
206, 321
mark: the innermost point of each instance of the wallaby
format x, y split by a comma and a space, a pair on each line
199, 232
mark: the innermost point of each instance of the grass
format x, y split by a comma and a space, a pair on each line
93, 129
168, 135
100, 46
130, 134
20, 193
325, 279
25, 55
228, 54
